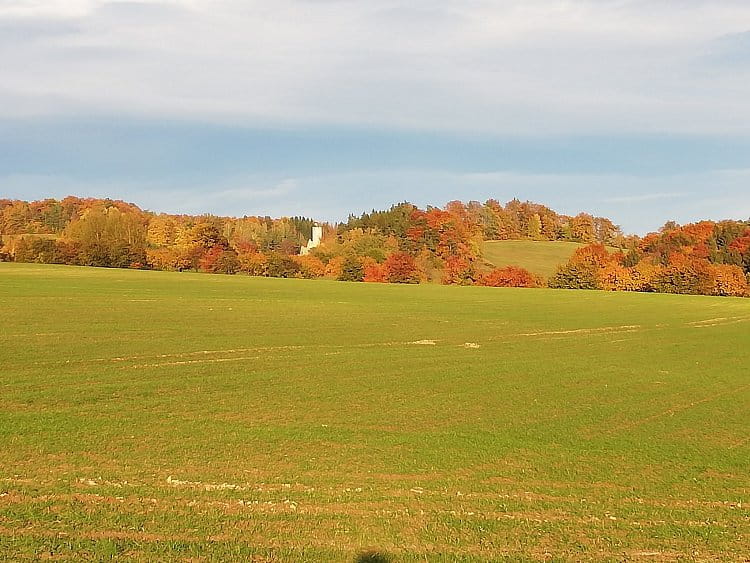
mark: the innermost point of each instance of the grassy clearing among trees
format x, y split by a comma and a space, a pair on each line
161, 415
540, 257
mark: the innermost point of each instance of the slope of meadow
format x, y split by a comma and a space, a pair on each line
156, 415
539, 257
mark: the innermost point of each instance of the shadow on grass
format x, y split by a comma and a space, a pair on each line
372, 557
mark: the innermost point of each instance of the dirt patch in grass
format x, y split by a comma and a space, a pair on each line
719, 321
623, 328
191, 362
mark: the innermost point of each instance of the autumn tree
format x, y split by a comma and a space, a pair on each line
105, 236
582, 228
459, 270
40, 250
534, 228
510, 276
351, 269
729, 281
282, 266
162, 231
219, 260
374, 272
310, 266
15, 219
253, 263
401, 268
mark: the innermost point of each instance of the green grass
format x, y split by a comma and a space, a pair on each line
538, 257
161, 416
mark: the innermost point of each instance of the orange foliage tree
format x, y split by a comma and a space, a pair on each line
459, 270
510, 276
374, 272
729, 280
310, 266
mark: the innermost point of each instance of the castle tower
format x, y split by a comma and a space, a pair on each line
317, 236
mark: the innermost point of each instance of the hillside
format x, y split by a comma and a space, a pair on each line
538, 257
166, 416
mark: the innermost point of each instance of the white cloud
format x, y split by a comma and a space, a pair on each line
46, 8
508, 67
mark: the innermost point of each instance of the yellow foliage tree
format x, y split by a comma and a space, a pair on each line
729, 280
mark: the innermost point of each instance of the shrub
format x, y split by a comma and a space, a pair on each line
575, 276
282, 266
351, 270
510, 276
253, 263
39, 250
374, 272
692, 278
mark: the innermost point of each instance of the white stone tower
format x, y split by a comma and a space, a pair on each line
317, 236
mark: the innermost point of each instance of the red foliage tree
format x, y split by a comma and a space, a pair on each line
217, 260
401, 267
741, 244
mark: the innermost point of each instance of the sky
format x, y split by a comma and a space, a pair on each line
631, 109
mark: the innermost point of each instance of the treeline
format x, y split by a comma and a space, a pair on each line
704, 258
493, 221
115, 234
404, 244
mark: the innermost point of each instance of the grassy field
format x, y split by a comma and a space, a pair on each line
160, 416
539, 257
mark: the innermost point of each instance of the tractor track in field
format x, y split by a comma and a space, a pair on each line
184, 358
676, 409
359, 495
390, 506
719, 321
193, 362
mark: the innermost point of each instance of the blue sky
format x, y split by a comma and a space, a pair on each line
632, 109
